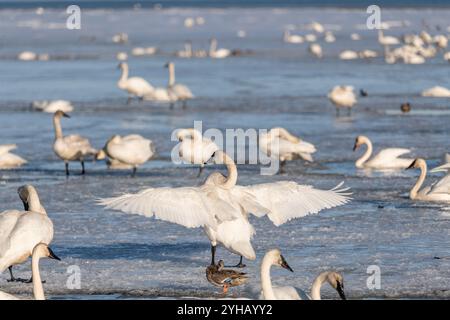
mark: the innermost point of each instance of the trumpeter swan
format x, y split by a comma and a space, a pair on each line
316, 50
385, 159
21, 231
280, 144
52, 106
348, 55
441, 41
186, 52
217, 53
9, 160
122, 56
291, 38
387, 40
437, 91
367, 54
342, 97
180, 91
132, 150
120, 38
72, 147
135, 86
355, 37
329, 37
194, 148
221, 207
27, 56
160, 94
269, 292
438, 191
41, 250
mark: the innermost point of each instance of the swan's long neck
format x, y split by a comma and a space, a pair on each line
266, 282
124, 75
38, 289
232, 172
423, 174
360, 162
57, 126
171, 74
317, 284
33, 202
284, 134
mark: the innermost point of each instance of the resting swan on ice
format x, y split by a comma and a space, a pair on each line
9, 160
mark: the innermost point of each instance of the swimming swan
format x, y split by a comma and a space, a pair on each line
438, 92
72, 147
217, 53
385, 159
180, 91
131, 150
135, 86
41, 250
221, 207
194, 148
269, 292
9, 160
21, 231
438, 191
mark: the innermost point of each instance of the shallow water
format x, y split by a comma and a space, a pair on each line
277, 85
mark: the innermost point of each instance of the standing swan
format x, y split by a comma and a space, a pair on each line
269, 292
282, 145
342, 97
135, 86
438, 191
20, 231
128, 151
72, 147
194, 148
221, 207
385, 159
41, 250
9, 160
180, 91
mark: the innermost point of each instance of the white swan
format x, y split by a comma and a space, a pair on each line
135, 86
281, 144
186, 52
342, 97
21, 231
348, 55
292, 38
180, 91
52, 106
27, 56
194, 148
329, 37
41, 250
387, 40
385, 159
437, 91
221, 207
217, 53
316, 50
131, 150
120, 38
269, 292
72, 147
9, 160
367, 54
438, 191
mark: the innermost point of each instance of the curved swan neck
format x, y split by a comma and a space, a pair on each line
317, 285
171, 74
266, 282
423, 174
38, 289
124, 75
57, 126
34, 204
360, 162
232, 172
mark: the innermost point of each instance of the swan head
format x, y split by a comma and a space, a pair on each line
183, 133
168, 65
122, 65
359, 141
277, 259
43, 251
101, 155
336, 280
26, 193
60, 113
417, 163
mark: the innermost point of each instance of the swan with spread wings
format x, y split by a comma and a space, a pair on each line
221, 207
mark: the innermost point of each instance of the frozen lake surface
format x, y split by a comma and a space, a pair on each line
278, 84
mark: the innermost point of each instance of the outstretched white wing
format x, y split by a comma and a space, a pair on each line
390, 154
288, 200
189, 207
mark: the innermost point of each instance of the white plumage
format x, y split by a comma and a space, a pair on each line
438, 92
342, 97
52, 106
9, 160
218, 53
135, 86
177, 90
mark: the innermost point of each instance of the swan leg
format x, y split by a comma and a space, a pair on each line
213, 255
337, 112
239, 265
129, 100
82, 167
67, 167
200, 171
134, 172
172, 105
282, 164
31, 281
184, 105
12, 276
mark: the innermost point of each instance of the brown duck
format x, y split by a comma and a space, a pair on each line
225, 278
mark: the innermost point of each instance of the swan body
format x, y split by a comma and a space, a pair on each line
10, 160
186, 52
292, 38
387, 40
180, 91
438, 191
122, 56
135, 86
52, 106
367, 54
160, 94
41, 250
221, 207
120, 38
21, 231
131, 150
329, 37
286, 147
348, 55
437, 91
269, 292
316, 50
342, 96
72, 147
385, 159
355, 37
27, 56
218, 53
